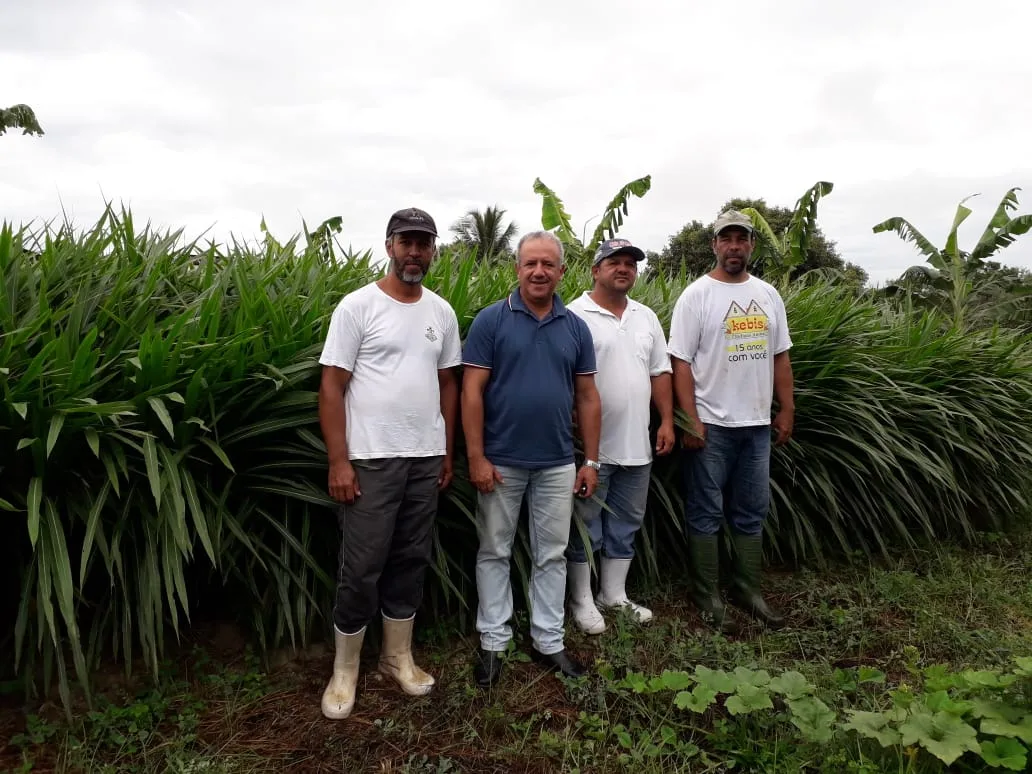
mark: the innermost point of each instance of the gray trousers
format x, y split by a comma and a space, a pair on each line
385, 540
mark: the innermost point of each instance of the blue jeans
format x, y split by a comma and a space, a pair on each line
729, 476
624, 490
549, 493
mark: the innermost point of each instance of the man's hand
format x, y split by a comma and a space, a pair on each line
586, 482
344, 482
665, 438
483, 475
784, 420
446, 473
690, 441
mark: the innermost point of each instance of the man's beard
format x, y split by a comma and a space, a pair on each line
734, 268
410, 275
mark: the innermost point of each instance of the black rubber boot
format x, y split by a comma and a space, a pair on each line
745, 589
705, 573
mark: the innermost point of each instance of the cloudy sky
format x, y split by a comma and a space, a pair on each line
207, 114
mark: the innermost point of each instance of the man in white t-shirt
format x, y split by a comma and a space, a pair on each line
633, 373
729, 343
387, 407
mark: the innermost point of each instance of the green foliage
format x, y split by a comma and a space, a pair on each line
947, 725
486, 233
158, 436
20, 117
957, 281
780, 253
790, 243
321, 239
151, 409
657, 700
554, 216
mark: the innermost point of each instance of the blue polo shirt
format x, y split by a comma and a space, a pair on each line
528, 401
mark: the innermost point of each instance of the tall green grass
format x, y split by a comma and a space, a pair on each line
160, 452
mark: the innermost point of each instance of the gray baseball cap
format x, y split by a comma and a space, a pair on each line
611, 247
730, 218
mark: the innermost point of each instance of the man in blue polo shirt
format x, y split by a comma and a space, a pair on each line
527, 363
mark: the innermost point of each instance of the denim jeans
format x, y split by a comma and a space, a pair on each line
549, 494
624, 490
729, 476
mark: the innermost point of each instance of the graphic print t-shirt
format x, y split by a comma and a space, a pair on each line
730, 332
394, 351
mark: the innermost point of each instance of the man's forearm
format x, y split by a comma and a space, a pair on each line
783, 382
663, 397
449, 408
684, 388
589, 417
333, 421
473, 422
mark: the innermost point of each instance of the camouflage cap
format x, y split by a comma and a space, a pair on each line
730, 218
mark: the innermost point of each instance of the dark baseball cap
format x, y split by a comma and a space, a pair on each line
411, 219
612, 247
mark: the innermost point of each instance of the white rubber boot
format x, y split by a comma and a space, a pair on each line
612, 591
339, 696
587, 617
396, 657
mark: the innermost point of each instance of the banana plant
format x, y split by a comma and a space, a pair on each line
951, 277
20, 117
554, 216
321, 239
780, 254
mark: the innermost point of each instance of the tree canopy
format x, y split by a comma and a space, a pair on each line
692, 247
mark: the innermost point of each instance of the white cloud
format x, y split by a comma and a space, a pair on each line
203, 113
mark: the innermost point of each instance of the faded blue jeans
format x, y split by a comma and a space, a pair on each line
549, 493
729, 476
612, 528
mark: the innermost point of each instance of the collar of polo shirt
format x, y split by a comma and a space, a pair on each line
516, 305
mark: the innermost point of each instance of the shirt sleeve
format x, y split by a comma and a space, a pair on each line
343, 339
479, 350
451, 352
782, 338
586, 351
659, 360
685, 330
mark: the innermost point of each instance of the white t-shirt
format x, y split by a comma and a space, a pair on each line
730, 332
394, 351
629, 351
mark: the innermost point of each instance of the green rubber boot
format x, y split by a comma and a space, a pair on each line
705, 573
745, 587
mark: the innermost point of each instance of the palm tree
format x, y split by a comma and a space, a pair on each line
486, 232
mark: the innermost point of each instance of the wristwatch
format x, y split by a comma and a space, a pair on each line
593, 464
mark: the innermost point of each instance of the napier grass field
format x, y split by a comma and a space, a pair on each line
167, 571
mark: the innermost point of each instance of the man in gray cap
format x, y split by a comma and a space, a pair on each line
387, 406
633, 374
729, 343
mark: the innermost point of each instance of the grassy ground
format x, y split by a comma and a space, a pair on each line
861, 635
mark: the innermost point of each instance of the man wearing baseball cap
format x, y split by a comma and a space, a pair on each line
633, 374
729, 343
387, 407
